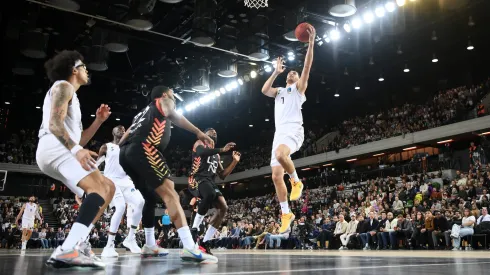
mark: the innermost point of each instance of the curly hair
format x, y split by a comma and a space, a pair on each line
60, 67
158, 91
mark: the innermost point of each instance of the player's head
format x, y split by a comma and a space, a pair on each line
162, 91
118, 131
67, 65
293, 77
32, 199
212, 134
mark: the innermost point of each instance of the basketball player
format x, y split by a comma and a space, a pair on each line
60, 155
142, 159
289, 134
205, 163
29, 212
125, 193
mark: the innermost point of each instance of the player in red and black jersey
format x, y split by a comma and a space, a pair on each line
205, 165
142, 159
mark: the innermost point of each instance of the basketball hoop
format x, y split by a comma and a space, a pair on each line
256, 3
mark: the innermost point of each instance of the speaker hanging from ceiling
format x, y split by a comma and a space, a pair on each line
116, 42
204, 23
33, 44
227, 40
97, 58
140, 13
342, 8
259, 49
200, 80
291, 21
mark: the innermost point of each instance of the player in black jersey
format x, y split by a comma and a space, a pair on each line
142, 159
205, 165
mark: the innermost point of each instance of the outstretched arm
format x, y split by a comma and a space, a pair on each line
267, 88
303, 80
202, 151
102, 113
223, 173
102, 151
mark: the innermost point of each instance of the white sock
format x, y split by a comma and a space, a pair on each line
294, 175
210, 233
110, 240
284, 207
150, 236
78, 232
132, 231
197, 221
186, 237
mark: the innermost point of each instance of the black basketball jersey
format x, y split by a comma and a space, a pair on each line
203, 167
151, 128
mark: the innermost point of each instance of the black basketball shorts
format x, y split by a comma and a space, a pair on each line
204, 186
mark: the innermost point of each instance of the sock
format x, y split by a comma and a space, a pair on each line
284, 207
197, 220
186, 237
209, 234
110, 239
294, 175
132, 231
90, 227
150, 236
78, 232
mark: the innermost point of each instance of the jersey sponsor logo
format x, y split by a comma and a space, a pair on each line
138, 119
289, 90
132, 190
213, 164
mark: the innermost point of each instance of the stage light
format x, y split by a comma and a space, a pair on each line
445, 141
188, 107
92, 115
202, 100
228, 87
390, 6
274, 63
347, 27
336, 94
351, 160
434, 59
212, 96
356, 23
240, 81
368, 17
321, 42
38, 107
381, 79
327, 39
334, 35
379, 11
222, 90
290, 53
7, 103
196, 103
400, 3
377, 155
253, 74
406, 70
470, 46
357, 87
267, 68
217, 93
118, 119
250, 125
267, 120
290, 57
410, 148
180, 111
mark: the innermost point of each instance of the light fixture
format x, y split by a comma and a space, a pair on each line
381, 78
291, 57
188, 107
267, 68
38, 107
400, 3
471, 23
356, 23
390, 6
250, 125
371, 61
290, 53
240, 81
334, 35
92, 115
347, 27
267, 120
328, 164
357, 87
7, 103
409, 148
485, 133
222, 90
380, 11
445, 141
351, 160
274, 63
234, 84
368, 17
228, 87
253, 74
327, 39
399, 50
336, 94
217, 93
321, 42
434, 36
377, 155
196, 103
434, 58
406, 70
306, 169
118, 119
470, 46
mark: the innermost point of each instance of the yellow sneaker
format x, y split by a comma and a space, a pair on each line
286, 220
296, 190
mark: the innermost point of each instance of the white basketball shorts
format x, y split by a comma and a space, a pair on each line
56, 161
27, 223
291, 136
125, 189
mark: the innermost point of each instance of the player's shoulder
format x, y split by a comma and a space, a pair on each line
196, 144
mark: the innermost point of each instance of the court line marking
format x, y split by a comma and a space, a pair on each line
337, 268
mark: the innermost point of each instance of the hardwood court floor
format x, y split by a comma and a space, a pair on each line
237, 262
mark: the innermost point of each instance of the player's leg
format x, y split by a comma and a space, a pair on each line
282, 154
207, 195
120, 206
216, 220
136, 203
282, 194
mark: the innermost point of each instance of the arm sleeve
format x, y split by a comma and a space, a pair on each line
206, 152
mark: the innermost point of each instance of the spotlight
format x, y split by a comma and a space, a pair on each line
321, 42
92, 115
180, 111
381, 78
234, 84
368, 17
390, 6
379, 11
336, 93
7, 103
240, 81
253, 74
290, 57
228, 87
357, 87
470, 46
356, 23
196, 103
327, 39
222, 90
406, 70
334, 34
434, 59
217, 93
471, 23
290, 53
202, 100
267, 120
250, 125
188, 107
267, 68
118, 119
347, 27
400, 3
38, 107
212, 96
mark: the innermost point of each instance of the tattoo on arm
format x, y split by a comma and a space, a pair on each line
59, 107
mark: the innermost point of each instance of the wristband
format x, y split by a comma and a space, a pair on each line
75, 149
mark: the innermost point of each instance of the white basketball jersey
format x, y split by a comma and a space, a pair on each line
287, 109
73, 119
30, 211
112, 167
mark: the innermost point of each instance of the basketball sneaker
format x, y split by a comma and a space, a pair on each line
296, 190
153, 251
109, 251
196, 255
286, 220
205, 247
72, 258
86, 248
132, 245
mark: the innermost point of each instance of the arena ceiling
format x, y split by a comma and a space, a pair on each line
409, 36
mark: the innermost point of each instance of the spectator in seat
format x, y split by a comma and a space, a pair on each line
440, 226
42, 238
485, 217
295, 235
351, 231
397, 206
468, 222
384, 232
340, 228
326, 233
381, 226
427, 230
418, 225
60, 237
372, 225
278, 238
403, 230
455, 219
34, 240
51, 237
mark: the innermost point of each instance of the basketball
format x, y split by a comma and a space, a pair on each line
301, 32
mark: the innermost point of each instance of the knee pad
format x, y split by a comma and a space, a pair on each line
89, 208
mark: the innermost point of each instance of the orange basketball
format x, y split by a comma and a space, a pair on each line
301, 32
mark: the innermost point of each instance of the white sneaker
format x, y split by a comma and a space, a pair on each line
132, 245
153, 251
86, 248
109, 252
24, 244
72, 257
341, 248
196, 255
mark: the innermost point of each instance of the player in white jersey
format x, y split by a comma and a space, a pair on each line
125, 193
289, 134
60, 155
29, 212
